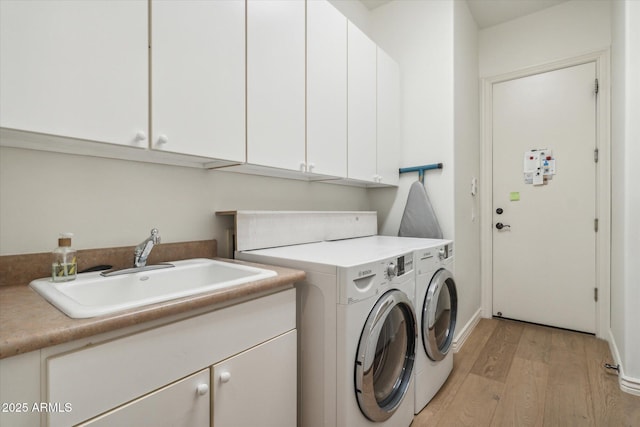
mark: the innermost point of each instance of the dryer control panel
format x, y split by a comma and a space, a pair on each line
428, 260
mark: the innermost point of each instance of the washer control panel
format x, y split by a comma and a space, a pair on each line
392, 270
374, 278
446, 251
400, 266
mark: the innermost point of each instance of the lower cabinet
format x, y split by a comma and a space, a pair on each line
231, 367
185, 403
248, 387
262, 378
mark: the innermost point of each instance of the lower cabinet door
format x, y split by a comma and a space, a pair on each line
257, 387
185, 403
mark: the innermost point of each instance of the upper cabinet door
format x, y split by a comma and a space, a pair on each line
75, 68
326, 89
361, 105
276, 83
198, 78
388, 119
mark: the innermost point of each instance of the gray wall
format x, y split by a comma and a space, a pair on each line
107, 202
625, 197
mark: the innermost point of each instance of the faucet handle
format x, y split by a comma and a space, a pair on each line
155, 236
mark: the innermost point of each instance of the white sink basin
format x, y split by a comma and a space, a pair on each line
93, 295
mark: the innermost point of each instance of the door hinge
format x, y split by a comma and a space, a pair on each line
595, 225
596, 155
595, 294
597, 87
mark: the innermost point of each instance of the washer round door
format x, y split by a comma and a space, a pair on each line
439, 315
386, 355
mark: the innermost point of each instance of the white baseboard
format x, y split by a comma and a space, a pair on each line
627, 384
464, 333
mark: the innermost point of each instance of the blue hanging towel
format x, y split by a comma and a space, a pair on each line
419, 218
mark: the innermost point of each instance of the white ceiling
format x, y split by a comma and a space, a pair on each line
490, 12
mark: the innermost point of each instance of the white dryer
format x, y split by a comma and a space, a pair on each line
357, 332
436, 309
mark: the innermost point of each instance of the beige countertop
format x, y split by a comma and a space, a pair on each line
28, 322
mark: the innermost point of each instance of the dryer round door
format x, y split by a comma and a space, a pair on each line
386, 355
439, 314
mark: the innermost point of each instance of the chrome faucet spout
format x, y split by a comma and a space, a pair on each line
143, 250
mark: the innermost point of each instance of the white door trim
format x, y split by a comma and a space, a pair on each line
603, 181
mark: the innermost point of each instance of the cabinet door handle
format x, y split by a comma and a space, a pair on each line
202, 389
225, 377
163, 139
140, 136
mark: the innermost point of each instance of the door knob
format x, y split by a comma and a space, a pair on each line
500, 226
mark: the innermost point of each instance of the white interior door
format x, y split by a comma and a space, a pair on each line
544, 258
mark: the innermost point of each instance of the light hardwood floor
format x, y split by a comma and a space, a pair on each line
516, 374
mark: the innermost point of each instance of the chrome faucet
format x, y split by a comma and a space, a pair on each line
144, 249
141, 254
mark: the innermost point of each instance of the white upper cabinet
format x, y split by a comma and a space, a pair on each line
326, 89
388, 99
361, 105
198, 78
275, 87
276, 83
75, 68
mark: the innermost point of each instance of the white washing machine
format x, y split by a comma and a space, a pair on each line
436, 304
357, 332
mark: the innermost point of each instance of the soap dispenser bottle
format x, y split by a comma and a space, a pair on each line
64, 265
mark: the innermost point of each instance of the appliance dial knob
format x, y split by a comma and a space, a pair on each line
441, 253
391, 270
